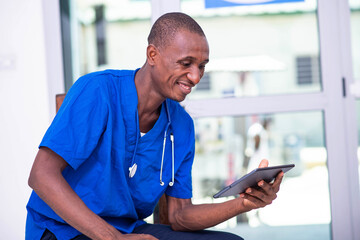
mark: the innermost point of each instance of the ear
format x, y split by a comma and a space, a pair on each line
152, 54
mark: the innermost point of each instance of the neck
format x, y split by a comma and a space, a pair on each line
149, 102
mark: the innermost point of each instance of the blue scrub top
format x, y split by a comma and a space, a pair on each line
96, 131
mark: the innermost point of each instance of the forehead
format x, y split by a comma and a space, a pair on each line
188, 44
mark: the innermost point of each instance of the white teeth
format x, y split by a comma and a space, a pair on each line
184, 86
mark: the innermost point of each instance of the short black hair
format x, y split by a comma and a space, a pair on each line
165, 28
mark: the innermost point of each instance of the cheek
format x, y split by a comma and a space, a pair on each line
202, 73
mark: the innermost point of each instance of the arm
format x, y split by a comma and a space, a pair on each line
48, 182
184, 216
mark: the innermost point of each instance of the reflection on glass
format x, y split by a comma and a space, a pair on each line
110, 34
229, 147
258, 50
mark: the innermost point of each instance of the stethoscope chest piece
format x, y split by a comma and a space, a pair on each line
132, 170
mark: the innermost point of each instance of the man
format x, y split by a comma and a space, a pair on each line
120, 141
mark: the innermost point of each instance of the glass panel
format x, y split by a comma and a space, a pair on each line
229, 147
358, 130
355, 36
355, 40
258, 50
109, 34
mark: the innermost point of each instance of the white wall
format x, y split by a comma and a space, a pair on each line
30, 72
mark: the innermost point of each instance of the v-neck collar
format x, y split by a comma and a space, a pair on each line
131, 115
158, 127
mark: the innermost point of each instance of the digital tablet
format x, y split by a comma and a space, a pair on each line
251, 179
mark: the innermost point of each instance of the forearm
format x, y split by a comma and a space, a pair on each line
184, 216
198, 217
66, 203
48, 182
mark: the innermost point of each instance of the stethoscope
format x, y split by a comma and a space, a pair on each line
133, 168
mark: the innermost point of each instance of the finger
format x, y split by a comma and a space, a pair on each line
269, 189
277, 182
266, 187
264, 163
251, 202
265, 197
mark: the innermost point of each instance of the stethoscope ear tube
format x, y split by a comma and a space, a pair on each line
132, 170
172, 150
162, 160
172, 160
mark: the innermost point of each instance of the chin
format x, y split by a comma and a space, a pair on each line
178, 98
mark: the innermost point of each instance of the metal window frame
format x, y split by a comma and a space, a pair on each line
53, 51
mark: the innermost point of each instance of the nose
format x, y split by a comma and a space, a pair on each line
194, 75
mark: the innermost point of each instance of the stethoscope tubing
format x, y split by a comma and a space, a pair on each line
172, 149
133, 168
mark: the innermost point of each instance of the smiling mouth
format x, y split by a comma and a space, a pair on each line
185, 88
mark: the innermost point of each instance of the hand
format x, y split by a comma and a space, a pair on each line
254, 198
138, 237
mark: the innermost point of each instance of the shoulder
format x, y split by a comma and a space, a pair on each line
107, 81
106, 76
179, 116
178, 111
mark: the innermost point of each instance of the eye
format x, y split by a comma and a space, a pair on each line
185, 63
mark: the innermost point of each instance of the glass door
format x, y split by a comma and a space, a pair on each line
259, 55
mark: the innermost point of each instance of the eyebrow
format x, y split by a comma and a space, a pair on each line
192, 59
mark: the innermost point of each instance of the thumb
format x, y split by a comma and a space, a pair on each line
264, 163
